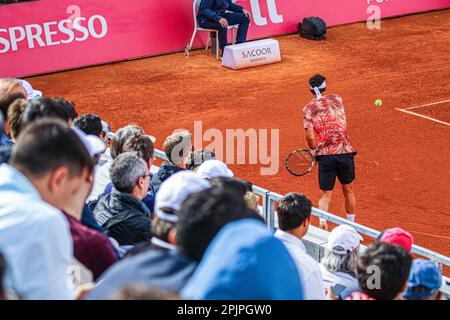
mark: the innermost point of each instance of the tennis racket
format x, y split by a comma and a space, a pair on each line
299, 162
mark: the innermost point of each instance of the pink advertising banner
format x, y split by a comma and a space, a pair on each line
53, 35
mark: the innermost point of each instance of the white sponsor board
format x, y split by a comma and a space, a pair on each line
251, 54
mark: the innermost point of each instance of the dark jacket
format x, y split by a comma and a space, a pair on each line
169, 270
5, 153
149, 199
165, 171
124, 218
87, 218
214, 9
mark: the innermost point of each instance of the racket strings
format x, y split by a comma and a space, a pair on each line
303, 158
299, 162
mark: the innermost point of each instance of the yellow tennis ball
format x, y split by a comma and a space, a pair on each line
378, 102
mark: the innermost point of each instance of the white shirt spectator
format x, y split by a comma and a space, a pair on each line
35, 239
101, 179
345, 279
310, 275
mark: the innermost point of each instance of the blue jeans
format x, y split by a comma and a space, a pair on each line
233, 18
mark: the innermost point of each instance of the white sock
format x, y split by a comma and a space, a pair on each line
322, 220
351, 217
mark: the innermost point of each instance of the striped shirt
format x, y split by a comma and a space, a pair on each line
4, 139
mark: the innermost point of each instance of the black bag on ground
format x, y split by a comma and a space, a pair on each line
312, 28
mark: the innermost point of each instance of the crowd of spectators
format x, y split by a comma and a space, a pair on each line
85, 214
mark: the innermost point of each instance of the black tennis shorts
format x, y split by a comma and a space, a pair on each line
341, 166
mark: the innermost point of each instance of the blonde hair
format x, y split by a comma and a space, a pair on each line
7, 85
15, 112
7, 94
170, 146
252, 200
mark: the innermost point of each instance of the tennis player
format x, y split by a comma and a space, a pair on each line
327, 134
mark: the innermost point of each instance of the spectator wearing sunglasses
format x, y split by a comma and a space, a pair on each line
122, 213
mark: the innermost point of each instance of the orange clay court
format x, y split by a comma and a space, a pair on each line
403, 166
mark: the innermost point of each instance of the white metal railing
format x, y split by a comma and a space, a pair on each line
269, 198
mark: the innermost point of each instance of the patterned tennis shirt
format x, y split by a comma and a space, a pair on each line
327, 117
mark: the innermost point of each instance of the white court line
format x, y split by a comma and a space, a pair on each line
422, 116
426, 105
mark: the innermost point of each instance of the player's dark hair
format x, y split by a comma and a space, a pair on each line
383, 270
89, 124
48, 144
203, 214
293, 210
316, 81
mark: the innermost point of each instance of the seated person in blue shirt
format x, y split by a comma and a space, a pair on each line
219, 14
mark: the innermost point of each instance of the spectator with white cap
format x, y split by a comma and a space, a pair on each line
294, 212
122, 213
168, 203
31, 93
48, 167
200, 218
424, 282
214, 169
161, 263
338, 265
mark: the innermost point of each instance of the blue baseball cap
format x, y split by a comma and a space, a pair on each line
424, 273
